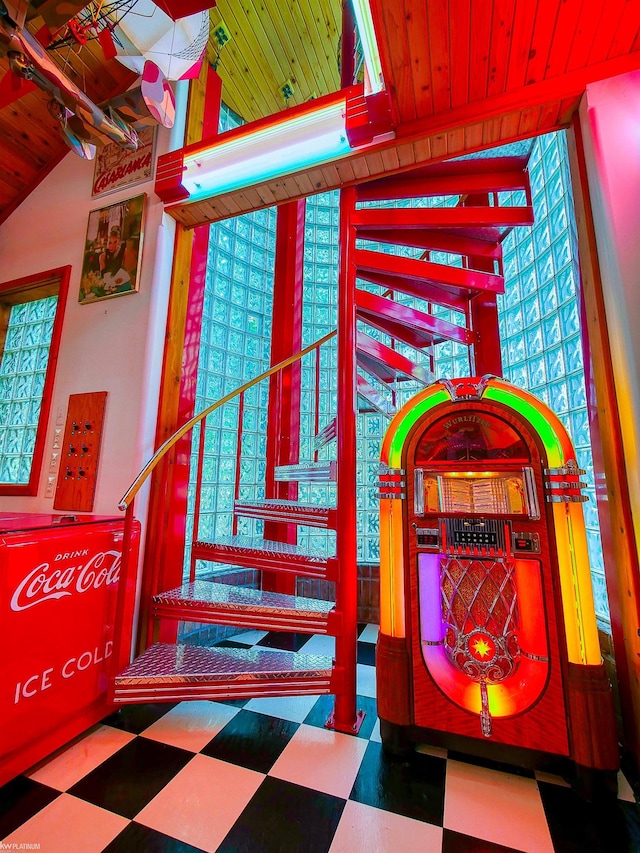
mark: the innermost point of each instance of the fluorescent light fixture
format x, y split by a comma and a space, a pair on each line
286, 146
364, 20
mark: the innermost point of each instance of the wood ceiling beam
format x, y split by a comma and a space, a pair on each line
434, 241
570, 85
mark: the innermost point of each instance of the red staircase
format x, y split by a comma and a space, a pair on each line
458, 266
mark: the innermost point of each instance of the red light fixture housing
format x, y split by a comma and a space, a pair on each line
176, 9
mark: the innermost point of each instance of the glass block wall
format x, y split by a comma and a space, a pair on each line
540, 344
539, 326
234, 348
539, 319
319, 316
22, 375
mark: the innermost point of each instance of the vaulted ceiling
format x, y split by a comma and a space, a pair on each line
463, 75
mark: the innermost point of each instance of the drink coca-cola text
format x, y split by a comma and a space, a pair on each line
44, 584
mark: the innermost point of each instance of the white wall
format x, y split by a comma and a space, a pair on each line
610, 122
115, 345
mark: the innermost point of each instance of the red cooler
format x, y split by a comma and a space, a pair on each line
59, 579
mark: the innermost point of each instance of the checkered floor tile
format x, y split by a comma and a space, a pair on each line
264, 775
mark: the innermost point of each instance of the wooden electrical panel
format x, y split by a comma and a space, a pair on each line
79, 452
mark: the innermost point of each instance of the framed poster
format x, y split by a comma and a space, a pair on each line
115, 167
113, 250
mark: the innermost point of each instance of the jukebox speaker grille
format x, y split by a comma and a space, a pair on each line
480, 612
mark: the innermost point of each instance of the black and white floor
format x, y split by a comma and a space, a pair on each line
265, 775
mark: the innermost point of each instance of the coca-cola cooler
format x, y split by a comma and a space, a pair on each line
58, 580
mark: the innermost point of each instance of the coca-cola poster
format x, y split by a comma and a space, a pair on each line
117, 168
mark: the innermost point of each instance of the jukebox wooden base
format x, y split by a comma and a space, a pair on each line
589, 763
590, 783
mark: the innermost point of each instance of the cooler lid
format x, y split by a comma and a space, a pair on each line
15, 522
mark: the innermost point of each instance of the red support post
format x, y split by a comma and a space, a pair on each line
348, 44
345, 716
167, 529
168, 568
236, 489
485, 356
283, 426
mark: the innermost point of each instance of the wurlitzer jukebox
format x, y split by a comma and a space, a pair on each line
488, 639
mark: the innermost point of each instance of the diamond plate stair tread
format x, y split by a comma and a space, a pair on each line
164, 663
293, 506
288, 512
307, 472
241, 598
256, 545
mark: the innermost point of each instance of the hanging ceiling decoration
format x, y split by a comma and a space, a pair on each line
146, 33
152, 44
181, 8
138, 31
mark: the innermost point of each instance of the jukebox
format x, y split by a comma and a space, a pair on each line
488, 641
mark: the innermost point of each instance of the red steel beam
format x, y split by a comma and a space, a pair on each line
418, 270
414, 185
454, 298
434, 240
444, 217
408, 324
385, 363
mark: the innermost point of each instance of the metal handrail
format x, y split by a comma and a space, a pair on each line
164, 448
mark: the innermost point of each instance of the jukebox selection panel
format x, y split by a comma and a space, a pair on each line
456, 512
474, 488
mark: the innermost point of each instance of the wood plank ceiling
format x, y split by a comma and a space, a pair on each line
466, 75
274, 42
463, 75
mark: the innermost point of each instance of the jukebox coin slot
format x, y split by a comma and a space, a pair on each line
525, 543
428, 537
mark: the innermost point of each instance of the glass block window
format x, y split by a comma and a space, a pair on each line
30, 321
540, 324
22, 373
